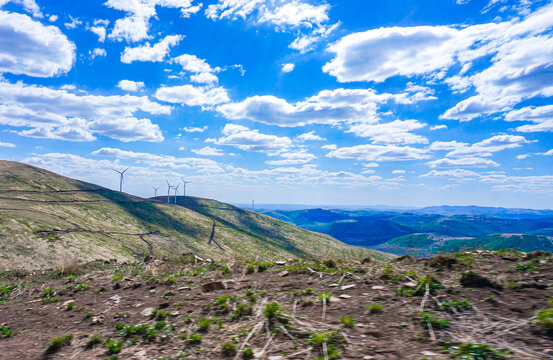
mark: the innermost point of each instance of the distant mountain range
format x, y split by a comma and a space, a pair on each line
429, 230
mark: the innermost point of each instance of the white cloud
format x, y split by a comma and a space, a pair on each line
30, 48
329, 147
129, 85
100, 31
97, 52
371, 152
28, 5
194, 129
208, 151
204, 78
135, 26
371, 165
288, 67
147, 52
395, 132
327, 107
252, 140
285, 15
298, 157
193, 95
6, 144
53, 18
541, 116
438, 127
454, 173
310, 136
398, 172
483, 148
74, 23
59, 113
462, 162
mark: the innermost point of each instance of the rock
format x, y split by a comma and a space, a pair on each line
183, 288
345, 296
429, 353
334, 299
215, 285
378, 287
368, 357
474, 280
333, 285
67, 303
147, 311
345, 287
410, 284
280, 262
276, 357
174, 313
283, 273
116, 299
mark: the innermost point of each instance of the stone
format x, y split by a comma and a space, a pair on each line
183, 288
147, 311
116, 299
214, 285
410, 284
280, 262
378, 287
283, 273
345, 296
68, 302
345, 287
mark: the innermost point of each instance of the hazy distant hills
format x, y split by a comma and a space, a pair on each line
430, 230
47, 219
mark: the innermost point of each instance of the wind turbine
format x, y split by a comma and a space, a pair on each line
184, 187
121, 180
155, 191
168, 190
176, 192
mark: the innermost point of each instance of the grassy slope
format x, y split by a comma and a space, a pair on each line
105, 224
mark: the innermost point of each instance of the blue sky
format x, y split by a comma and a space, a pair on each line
353, 102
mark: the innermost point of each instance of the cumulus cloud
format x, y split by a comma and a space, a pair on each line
327, 107
298, 157
284, 15
288, 67
310, 136
395, 132
208, 151
454, 173
462, 162
243, 138
135, 26
6, 144
379, 153
129, 85
28, 5
30, 48
63, 114
194, 129
147, 52
97, 52
203, 73
438, 127
192, 95
484, 148
540, 116
99, 28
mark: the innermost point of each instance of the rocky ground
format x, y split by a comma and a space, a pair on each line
477, 305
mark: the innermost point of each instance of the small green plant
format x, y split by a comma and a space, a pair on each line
272, 310
375, 308
307, 291
423, 283
228, 348
81, 287
333, 341
527, 267
5, 332
490, 299
250, 269
69, 305
159, 314
93, 341
476, 352
325, 297
456, 305
465, 259
58, 342
114, 346
88, 315
433, 320
247, 353
348, 321
203, 324
49, 296
225, 270
544, 319
194, 339
5, 292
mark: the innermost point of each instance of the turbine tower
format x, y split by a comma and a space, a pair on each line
184, 187
155, 191
168, 190
176, 192
121, 179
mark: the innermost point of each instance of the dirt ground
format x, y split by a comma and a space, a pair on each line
190, 308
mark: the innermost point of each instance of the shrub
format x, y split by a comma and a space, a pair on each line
476, 352
203, 324
93, 341
49, 296
82, 287
272, 310
194, 339
247, 353
5, 332
375, 308
228, 348
544, 319
58, 342
69, 305
348, 321
114, 346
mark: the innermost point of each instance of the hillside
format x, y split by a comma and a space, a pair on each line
426, 244
466, 306
47, 220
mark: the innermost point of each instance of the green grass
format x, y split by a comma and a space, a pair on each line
375, 308
475, 352
544, 319
57, 343
348, 321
